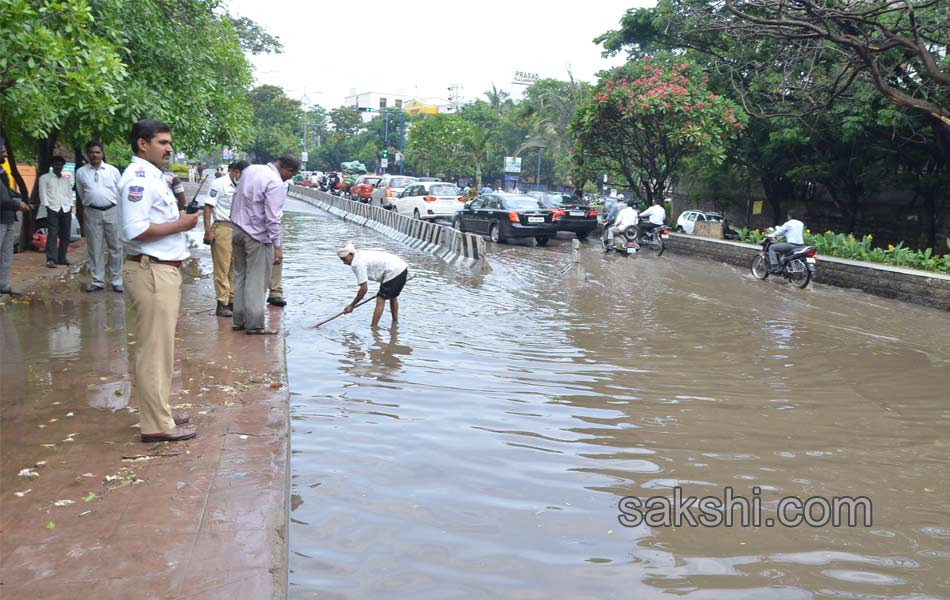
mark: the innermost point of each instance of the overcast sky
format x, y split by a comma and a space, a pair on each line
422, 47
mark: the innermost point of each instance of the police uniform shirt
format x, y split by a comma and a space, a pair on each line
145, 198
219, 197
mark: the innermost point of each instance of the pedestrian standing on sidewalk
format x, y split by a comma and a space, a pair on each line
217, 221
255, 216
97, 184
153, 233
10, 204
56, 194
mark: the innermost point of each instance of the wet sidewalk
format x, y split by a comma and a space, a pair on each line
86, 510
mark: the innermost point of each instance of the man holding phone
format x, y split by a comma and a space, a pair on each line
153, 232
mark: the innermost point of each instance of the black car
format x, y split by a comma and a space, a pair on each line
507, 216
570, 214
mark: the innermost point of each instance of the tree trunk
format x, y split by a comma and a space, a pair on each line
80, 213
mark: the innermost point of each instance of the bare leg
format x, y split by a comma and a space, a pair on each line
394, 309
378, 311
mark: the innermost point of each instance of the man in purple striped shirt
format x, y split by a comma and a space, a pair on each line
256, 210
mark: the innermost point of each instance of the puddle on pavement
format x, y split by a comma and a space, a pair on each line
480, 450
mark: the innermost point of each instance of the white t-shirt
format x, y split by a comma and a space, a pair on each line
793, 230
376, 265
219, 196
626, 218
656, 214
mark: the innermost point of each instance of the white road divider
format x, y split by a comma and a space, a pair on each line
448, 244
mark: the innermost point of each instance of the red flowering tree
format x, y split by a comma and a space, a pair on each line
644, 118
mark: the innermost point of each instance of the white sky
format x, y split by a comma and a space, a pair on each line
422, 47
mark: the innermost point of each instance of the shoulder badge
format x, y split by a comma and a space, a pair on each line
213, 193
136, 192
140, 172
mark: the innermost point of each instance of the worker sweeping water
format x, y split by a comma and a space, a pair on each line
388, 269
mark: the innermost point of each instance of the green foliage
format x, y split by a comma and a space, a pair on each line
277, 124
644, 118
850, 247
178, 169
436, 144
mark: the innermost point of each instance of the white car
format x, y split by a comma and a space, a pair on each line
389, 188
687, 221
430, 200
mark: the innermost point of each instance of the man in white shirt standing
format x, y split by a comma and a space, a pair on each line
97, 184
794, 232
217, 221
152, 230
388, 269
56, 194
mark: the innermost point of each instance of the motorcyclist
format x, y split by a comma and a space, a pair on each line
655, 215
626, 217
794, 232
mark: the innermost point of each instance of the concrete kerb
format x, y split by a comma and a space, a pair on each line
908, 285
448, 244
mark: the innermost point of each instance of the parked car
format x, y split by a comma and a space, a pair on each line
507, 216
362, 188
389, 188
570, 215
40, 223
429, 200
687, 221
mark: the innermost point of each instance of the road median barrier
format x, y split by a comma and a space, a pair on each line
448, 244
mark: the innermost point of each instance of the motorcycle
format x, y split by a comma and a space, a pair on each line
654, 236
798, 265
626, 243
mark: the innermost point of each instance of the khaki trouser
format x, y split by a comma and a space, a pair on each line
276, 287
223, 265
154, 292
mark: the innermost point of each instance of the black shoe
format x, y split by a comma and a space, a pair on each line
65, 263
10, 292
117, 289
51, 264
222, 310
230, 306
92, 288
277, 301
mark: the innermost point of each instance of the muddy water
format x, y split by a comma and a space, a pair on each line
480, 449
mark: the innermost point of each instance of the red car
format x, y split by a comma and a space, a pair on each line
362, 188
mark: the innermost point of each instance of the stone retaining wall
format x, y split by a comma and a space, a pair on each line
917, 287
446, 243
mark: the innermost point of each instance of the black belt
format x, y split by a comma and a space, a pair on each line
101, 207
152, 259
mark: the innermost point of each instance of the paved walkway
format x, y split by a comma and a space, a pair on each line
88, 511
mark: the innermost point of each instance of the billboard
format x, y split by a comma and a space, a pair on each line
524, 78
512, 164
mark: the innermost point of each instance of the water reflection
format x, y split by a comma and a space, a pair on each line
480, 449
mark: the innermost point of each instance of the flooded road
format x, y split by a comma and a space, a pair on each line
480, 450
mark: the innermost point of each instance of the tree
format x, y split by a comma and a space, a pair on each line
644, 118
277, 126
435, 144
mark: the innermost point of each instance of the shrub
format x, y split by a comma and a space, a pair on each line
847, 246
180, 170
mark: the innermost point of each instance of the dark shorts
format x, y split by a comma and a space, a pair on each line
393, 287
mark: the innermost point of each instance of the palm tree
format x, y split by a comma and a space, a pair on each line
499, 100
476, 149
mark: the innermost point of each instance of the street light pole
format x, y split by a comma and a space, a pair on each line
537, 179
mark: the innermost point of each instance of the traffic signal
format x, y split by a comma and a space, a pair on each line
366, 109
385, 152
301, 142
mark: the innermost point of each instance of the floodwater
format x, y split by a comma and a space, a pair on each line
480, 449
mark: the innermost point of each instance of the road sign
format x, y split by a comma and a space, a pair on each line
512, 164
303, 156
384, 162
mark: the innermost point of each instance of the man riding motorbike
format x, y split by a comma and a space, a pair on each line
655, 216
794, 232
626, 217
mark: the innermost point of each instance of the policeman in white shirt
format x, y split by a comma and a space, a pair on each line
97, 184
152, 229
56, 194
217, 221
626, 218
794, 232
389, 270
